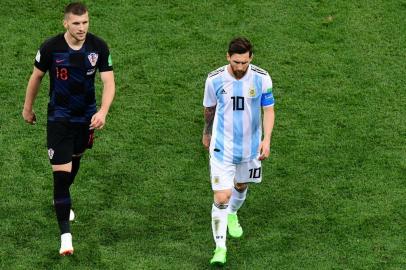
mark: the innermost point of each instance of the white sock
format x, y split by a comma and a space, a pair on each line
236, 200
219, 224
66, 243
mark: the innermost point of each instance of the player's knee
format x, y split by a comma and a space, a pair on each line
241, 187
222, 198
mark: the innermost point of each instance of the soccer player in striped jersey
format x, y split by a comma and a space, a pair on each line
235, 96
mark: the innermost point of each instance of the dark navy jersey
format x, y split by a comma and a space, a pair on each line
72, 73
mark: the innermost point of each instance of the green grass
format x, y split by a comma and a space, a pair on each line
333, 193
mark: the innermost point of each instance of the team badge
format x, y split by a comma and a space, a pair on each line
216, 180
51, 153
252, 91
93, 58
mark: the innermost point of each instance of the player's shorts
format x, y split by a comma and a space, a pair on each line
65, 140
225, 175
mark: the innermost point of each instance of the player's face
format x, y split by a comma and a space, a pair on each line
239, 63
77, 25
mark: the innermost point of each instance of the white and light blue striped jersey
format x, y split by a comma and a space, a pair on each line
237, 126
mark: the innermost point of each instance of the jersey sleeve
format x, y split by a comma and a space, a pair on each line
43, 59
267, 98
209, 95
106, 63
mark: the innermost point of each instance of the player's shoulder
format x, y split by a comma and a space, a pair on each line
53, 42
95, 40
259, 71
216, 73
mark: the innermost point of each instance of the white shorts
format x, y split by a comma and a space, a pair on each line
225, 175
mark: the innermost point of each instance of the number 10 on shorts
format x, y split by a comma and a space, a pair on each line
255, 172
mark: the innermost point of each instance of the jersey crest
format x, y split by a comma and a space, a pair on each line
93, 58
252, 92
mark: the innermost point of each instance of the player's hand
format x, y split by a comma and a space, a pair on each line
29, 116
206, 141
264, 149
98, 120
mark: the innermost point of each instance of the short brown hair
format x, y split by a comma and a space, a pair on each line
240, 45
75, 8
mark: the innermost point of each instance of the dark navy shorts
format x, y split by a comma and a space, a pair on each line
66, 139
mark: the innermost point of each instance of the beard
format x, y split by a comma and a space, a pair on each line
239, 73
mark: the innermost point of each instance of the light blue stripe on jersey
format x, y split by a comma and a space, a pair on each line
256, 118
218, 86
238, 128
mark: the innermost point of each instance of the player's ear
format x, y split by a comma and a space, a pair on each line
228, 57
65, 23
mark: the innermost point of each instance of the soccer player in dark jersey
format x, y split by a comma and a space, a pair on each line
71, 59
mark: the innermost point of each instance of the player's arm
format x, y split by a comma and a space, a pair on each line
209, 113
30, 95
109, 90
268, 122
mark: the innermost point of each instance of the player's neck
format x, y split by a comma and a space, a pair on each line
72, 42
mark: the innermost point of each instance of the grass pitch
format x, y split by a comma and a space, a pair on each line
333, 193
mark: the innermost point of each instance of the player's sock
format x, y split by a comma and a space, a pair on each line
75, 168
237, 199
66, 244
73, 173
62, 200
219, 224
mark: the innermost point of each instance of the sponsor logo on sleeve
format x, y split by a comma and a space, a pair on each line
269, 90
110, 61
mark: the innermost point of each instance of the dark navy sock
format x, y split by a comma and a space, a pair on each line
75, 168
62, 200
